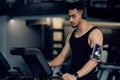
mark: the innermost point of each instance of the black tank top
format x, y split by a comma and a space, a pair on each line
81, 52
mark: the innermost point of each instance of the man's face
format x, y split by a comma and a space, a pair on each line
75, 17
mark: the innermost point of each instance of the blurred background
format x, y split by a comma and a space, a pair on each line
44, 24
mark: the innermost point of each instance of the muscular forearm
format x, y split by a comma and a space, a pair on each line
57, 61
88, 67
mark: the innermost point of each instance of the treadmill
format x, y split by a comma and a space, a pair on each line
36, 61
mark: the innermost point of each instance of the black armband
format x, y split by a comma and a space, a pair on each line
76, 75
96, 53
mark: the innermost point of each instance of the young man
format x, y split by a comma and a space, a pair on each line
81, 42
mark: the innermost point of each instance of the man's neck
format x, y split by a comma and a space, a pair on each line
83, 26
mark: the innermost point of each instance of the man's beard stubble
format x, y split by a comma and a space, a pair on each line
75, 25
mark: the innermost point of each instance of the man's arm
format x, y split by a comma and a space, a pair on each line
63, 55
95, 37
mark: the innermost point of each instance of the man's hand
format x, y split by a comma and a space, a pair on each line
68, 76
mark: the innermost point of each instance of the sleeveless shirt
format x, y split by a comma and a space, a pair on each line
81, 52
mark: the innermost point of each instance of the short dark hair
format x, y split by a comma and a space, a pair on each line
78, 6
